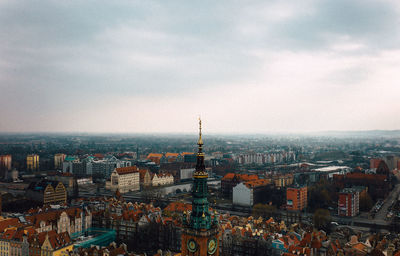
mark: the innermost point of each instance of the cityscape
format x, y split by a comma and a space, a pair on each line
182, 128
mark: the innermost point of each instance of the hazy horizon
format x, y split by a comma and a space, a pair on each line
154, 67
195, 133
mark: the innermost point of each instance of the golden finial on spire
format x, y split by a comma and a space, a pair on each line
200, 142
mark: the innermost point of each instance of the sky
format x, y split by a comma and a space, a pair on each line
155, 66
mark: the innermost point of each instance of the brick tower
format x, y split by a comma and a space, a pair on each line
200, 232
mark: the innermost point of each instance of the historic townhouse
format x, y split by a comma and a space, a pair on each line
162, 179
125, 179
71, 220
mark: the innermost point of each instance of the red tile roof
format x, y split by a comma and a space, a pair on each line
241, 177
126, 170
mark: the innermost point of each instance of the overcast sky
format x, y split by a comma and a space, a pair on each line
155, 66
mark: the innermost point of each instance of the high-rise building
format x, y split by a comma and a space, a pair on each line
5, 165
349, 202
200, 233
32, 162
296, 198
58, 161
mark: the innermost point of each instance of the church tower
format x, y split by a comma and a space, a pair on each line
200, 232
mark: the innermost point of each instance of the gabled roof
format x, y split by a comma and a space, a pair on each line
13, 222
126, 170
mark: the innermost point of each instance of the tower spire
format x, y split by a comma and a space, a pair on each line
200, 233
200, 166
200, 141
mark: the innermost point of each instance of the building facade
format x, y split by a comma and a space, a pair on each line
349, 202
145, 177
230, 180
47, 192
32, 162
162, 179
5, 165
249, 193
296, 198
125, 179
58, 161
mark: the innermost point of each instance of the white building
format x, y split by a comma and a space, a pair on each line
249, 193
186, 174
125, 179
162, 179
242, 195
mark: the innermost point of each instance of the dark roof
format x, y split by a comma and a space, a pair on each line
42, 184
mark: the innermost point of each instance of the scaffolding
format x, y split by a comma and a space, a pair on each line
94, 236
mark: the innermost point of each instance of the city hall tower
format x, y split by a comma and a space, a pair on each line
200, 232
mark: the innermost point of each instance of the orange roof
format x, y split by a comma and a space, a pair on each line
142, 173
228, 176
256, 183
178, 207
171, 154
126, 170
242, 177
187, 153
8, 223
156, 155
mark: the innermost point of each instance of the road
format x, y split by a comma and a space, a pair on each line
388, 201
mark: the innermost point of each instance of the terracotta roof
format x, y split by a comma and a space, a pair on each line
142, 173
256, 183
178, 207
228, 176
156, 155
126, 170
59, 240
98, 155
52, 216
13, 222
241, 177
171, 154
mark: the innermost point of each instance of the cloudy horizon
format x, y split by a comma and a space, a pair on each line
155, 66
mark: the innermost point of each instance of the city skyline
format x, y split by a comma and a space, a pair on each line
144, 67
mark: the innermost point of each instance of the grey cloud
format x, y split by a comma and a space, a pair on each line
58, 55
372, 22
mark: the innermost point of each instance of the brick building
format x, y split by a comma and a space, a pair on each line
349, 202
296, 198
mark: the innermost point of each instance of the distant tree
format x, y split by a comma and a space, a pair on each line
263, 210
321, 195
322, 219
366, 202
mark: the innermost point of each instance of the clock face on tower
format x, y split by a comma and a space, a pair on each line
192, 245
212, 245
